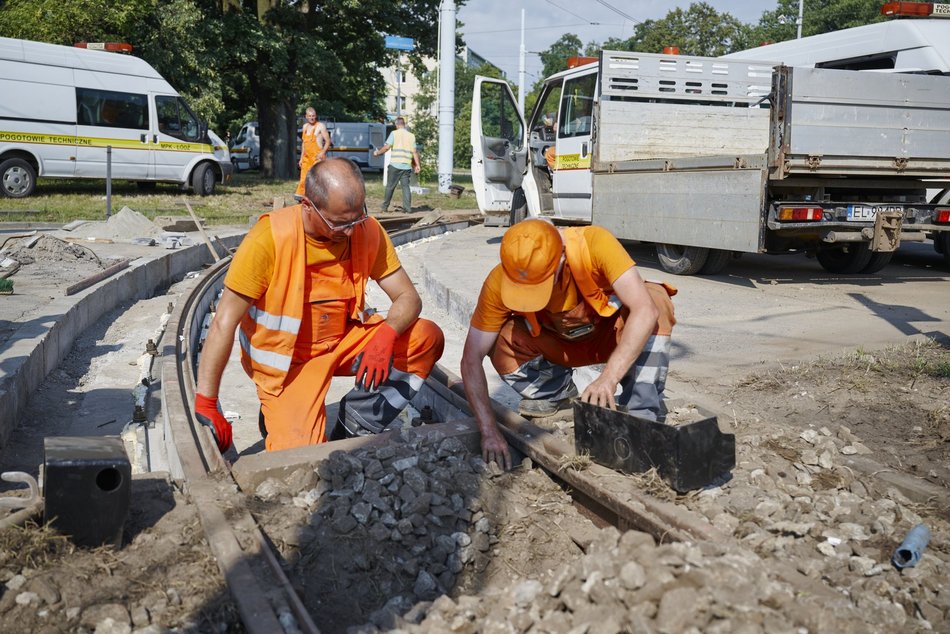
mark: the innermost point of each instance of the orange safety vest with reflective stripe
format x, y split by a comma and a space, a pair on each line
269, 329
577, 253
404, 142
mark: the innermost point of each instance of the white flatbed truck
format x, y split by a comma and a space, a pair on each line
711, 158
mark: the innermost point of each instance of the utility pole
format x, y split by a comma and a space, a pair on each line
446, 93
801, 13
399, 84
521, 69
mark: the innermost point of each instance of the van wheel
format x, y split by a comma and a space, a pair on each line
202, 180
680, 260
17, 178
850, 259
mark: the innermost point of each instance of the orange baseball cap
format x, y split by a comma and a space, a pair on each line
530, 254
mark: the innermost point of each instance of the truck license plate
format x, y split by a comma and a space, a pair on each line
867, 213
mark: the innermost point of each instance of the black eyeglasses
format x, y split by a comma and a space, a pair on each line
338, 226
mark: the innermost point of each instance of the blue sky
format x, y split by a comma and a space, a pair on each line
492, 27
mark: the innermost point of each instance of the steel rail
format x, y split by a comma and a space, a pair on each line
264, 596
248, 563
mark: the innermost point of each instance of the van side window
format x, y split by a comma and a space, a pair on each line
176, 119
577, 106
111, 109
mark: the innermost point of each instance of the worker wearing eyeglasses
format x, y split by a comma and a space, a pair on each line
297, 288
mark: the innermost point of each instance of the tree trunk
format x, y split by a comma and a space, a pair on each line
278, 126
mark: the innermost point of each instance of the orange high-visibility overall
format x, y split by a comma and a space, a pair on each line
309, 150
292, 384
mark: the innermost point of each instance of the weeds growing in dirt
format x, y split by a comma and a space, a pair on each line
578, 462
32, 545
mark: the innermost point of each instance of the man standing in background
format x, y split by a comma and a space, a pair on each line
313, 149
403, 161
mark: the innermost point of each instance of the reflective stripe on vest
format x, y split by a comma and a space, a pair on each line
275, 322
264, 357
269, 329
403, 144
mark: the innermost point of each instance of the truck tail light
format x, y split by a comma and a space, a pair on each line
800, 214
942, 216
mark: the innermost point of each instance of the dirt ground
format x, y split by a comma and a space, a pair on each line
162, 578
518, 552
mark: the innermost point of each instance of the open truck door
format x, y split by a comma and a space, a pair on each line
499, 148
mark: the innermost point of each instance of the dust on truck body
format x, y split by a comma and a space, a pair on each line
710, 158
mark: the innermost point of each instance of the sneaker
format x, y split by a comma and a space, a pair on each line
540, 407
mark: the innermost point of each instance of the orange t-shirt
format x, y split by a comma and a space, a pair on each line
608, 257
251, 270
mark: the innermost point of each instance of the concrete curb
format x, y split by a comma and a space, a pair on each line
38, 347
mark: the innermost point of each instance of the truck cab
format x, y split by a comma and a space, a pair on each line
510, 167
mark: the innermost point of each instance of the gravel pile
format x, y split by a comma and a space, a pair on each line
375, 531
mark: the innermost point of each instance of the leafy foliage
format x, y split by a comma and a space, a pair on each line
426, 126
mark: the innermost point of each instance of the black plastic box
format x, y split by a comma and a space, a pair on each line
687, 456
87, 488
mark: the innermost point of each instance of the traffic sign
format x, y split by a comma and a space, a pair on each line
400, 43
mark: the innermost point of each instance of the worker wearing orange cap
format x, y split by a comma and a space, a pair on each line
315, 142
562, 299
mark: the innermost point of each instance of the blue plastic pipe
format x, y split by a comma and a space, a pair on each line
908, 553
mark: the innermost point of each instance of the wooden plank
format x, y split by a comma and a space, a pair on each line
201, 230
98, 277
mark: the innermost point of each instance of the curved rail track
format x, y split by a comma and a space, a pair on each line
264, 595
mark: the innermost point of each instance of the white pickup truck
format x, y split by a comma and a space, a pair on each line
711, 158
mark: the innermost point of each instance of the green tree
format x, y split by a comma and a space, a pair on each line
699, 30
554, 59
819, 16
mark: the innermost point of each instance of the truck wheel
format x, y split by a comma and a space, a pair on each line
519, 208
944, 238
716, 262
17, 178
878, 261
849, 259
202, 180
680, 260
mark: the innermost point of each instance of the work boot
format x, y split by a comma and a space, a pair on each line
540, 407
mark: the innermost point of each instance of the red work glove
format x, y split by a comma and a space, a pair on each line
209, 413
373, 364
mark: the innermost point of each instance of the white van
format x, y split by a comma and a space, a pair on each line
899, 46
356, 142
62, 107
246, 147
